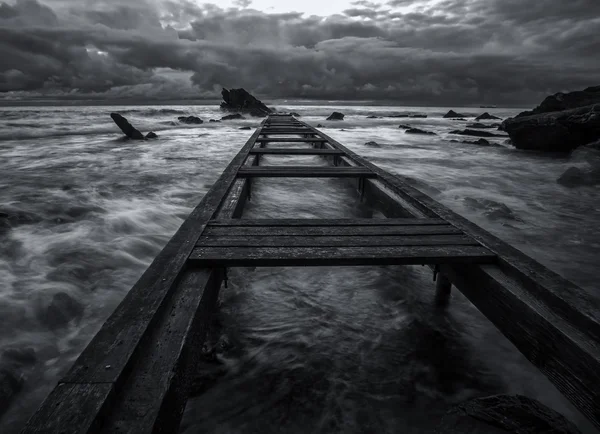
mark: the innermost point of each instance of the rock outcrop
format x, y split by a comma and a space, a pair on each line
503, 414
577, 177
475, 133
126, 127
190, 120
336, 116
558, 131
151, 135
232, 117
487, 116
453, 114
239, 100
418, 131
373, 144
566, 101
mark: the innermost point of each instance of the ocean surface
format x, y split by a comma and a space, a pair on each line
322, 350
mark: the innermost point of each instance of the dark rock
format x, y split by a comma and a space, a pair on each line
319, 126
481, 142
232, 117
458, 119
491, 209
190, 120
245, 128
397, 116
372, 117
373, 144
239, 100
406, 127
555, 131
417, 116
475, 133
295, 114
126, 127
213, 120
152, 135
508, 142
62, 309
10, 385
566, 101
487, 116
576, 177
479, 125
418, 131
336, 116
453, 114
503, 414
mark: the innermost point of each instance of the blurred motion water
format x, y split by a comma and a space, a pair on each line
83, 212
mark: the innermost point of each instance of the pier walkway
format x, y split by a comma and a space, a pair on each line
133, 377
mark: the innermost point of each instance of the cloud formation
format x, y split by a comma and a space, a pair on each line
440, 52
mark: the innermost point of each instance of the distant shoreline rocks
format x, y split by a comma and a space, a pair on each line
453, 114
240, 100
475, 133
190, 120
419, 131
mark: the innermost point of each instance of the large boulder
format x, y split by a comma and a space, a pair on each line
190, 120
487, 116
558, 131
239, 100
336, 116
453, 114
232, 117
566, 101
502, 414
126, 127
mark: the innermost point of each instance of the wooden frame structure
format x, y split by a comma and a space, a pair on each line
133, 375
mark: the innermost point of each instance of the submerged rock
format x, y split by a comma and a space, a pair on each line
336, 116
245, 128
62, 309
406, 127
373, 144
319, 126
501, 414
475, 133
491, 209
418, 131
576, 177
487, 116
213, 120
240, 100
453, 114
481, 142
417, 116
372, 117
10, 385
295, 114
126, 127
232, 117
152, 135
559, 131
480, 125
190, 119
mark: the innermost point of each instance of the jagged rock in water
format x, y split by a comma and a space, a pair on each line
479, 125
62, 309
152, 135
232, 117
566, 101
126, 127
481, 142
240, 100
577, 177
406, 127
336, 116
475, 133
372, 117
559, 131
10, 385
373, 144
418, 131
245, 128
453, 114
319, 126
214, 120
503, 414
190, 120
487, 116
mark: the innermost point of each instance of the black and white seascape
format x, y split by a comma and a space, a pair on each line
84, 210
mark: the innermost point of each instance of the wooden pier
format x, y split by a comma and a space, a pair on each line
133, 377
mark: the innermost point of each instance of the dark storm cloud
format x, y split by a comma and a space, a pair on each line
448, 52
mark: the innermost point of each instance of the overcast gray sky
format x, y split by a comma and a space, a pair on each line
441, 52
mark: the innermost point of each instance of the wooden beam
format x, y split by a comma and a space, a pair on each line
328, 222
303, 172
290, 140
296, 151
336, 256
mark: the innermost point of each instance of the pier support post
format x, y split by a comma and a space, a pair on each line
443, 290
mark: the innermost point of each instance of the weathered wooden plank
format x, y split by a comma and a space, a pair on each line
76, 409
304, 172
337, 241
337, 256
277, 231
567, 298
296, 151
232, 206
329, 222
283, 131
290, 140
153, 397
564, 352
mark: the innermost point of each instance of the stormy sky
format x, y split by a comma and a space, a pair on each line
430, 52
